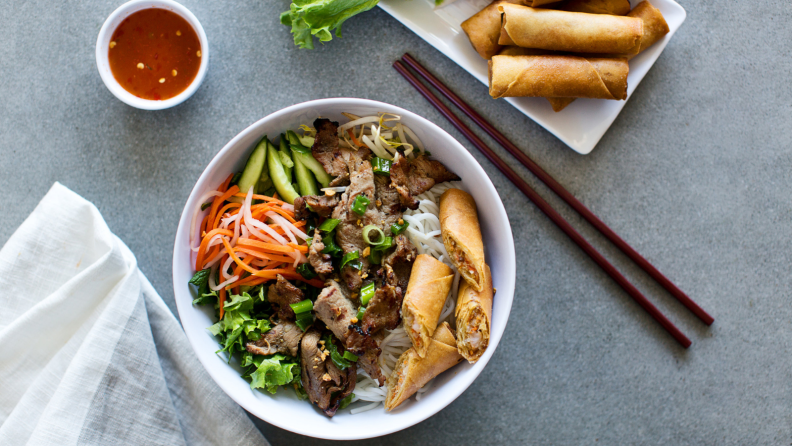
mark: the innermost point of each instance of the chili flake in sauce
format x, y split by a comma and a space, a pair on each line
155, 54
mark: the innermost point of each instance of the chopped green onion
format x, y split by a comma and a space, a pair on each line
345, 402
329, 224
375, 257
366, 293
304, 320
360, 204
385, 245
397, 228
306, 270
206, 205
331, 247
380, 235
348, 257
361, 312
350, 356
302, 306
338, 358
381, 166
309, 241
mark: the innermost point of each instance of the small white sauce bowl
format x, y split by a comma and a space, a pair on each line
103, 49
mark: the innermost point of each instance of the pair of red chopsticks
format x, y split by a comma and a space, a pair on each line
545, 207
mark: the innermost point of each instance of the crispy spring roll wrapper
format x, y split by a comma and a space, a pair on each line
537, 3
461, 234
576, 32
430, 282
413, 372
654, 29
512, 50
483, 29
558, 76
473, 316
613, 7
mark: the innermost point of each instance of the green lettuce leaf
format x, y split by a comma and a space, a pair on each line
308, 18
237, 326
273, 371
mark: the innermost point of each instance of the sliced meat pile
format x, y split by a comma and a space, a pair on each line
281, 294
338, 303
416, 176
325, 383
284, 338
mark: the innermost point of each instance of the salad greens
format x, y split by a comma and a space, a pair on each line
247, 319
309, 18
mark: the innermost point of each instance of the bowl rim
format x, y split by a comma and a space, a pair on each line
505, 291
103, 48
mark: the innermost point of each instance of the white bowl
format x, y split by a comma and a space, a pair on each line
284, 409
103, 48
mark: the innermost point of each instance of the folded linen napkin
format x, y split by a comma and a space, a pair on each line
89, 352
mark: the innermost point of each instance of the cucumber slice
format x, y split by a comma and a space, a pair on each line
305, 179
253, 168
307, 159
278, 176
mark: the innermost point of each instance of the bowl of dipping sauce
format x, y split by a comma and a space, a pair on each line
152, 54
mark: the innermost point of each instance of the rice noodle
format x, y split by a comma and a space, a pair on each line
424, 233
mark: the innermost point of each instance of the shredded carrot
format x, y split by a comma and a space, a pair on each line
205, 244
261, 255
354, 140
238, 272
302, 249
223, 211
262, 197
263, 246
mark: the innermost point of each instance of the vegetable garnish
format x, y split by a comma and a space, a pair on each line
366, 293
399, 227
302, 306
349, 257
306, 270
360, 313
260, 241
380, 235
338, 359
304, 320
329, 224
360, 204
308, 18
381, 166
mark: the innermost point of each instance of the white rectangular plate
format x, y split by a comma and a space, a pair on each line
581, 124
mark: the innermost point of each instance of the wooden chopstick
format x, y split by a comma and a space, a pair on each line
551, 213
559, 190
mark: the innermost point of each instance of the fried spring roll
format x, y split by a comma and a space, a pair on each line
461, 233
483, 29
613, 7
654, 28
430, 282
537, 3
473, 316
413, 372
569, 31
558, 76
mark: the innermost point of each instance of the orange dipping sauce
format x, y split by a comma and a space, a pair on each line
155, 54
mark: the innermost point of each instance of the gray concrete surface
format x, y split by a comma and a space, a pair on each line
695, 174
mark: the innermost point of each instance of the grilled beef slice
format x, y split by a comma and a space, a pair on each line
284, 338
325, 384
383, 311
398, 264
322, 263
368, 360
335, 309
388, 203
322, 205
281, 294
325, 148
416, 176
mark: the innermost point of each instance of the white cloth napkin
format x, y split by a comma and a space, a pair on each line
89, 353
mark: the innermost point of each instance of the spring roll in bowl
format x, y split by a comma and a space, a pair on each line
473, 316
430, 282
